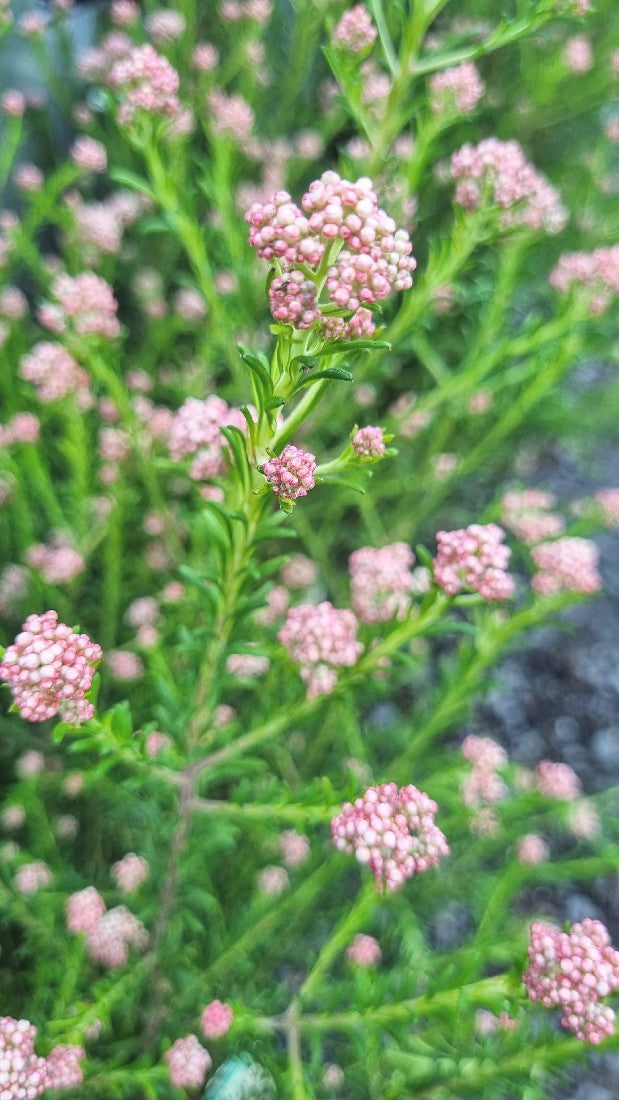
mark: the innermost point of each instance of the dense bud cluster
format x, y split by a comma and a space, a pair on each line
369, 442
573, 971
50, 669
381, 582
473, 557
376, 261
566, 565
23, 1074
501, 170
321, 638
291, 474
391, 830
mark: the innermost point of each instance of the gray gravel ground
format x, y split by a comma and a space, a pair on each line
558, 699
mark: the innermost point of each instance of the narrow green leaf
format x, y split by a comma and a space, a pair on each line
335, 347
127, 178
338, 374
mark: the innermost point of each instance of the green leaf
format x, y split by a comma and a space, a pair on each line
275, 403
236, 441
348, 482
335, 347
338, 374
127, 178
154, 225
306, 361
424, 556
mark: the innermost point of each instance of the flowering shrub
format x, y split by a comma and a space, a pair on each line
267, 533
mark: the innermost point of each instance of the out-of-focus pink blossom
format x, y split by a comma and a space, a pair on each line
500, 169
460, 87
188, 1063
130, 872
321, 639
381, 582
473, 557
557, 780
33, 877
566, 565
355, 31
216, 1019
364, 951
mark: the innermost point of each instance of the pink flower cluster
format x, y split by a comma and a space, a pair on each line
369, 442
573, 971
578, 55
63, 1066
130, 872
460, 87
52, 370
50, 669
32, 877
527, 513
376, 261
147, 82
292, 297
359, 326
321, 638
165, 25
21, 428
473, 557
364, 951
381, 582
59, 563
109, 933
391, 830
595, 272
84, 303
88, 154
532, 849
483, 784
566, 565
291, 474
230, 115
188, 1062
23, 1074
608, 500
557, 780
501, 170
355, 31
216, 1019
195, 430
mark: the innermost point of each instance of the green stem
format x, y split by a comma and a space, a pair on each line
341, 937
108, 378
42, 485
300, 815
